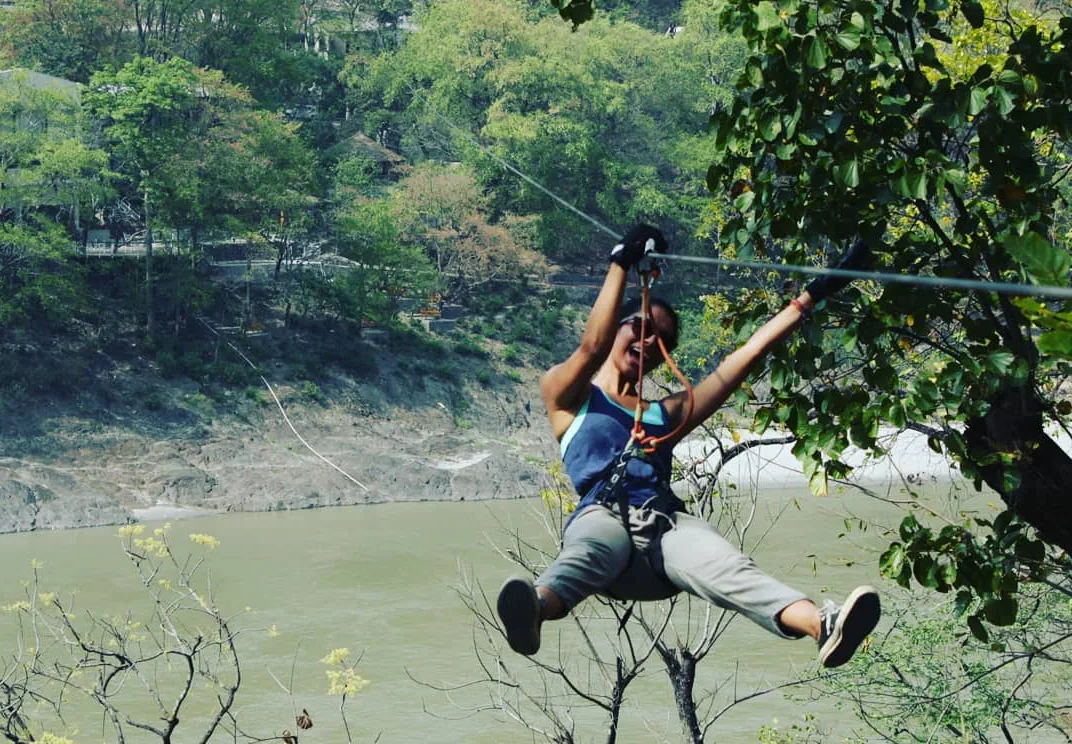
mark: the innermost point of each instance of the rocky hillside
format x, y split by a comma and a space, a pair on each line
131, 439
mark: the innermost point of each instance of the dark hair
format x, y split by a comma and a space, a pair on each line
633, 306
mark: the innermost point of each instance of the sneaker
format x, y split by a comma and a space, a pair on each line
519, 610
845, 628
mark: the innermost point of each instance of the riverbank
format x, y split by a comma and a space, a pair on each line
358, 442
333, 455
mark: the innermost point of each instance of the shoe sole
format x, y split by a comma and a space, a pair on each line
858, 617
519, 610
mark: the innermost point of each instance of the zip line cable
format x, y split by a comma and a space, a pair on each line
279, 405
970, 285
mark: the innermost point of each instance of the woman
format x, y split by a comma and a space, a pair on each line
591, 399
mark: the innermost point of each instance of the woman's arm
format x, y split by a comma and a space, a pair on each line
714, 389
564, 387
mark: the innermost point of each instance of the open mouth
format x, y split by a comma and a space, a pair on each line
636, 353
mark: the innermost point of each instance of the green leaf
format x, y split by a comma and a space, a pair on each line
762, 420
925, 573
713, 179
1044, 261
744, 201
1001, 361
767, 16
832, 123
770, 127
977, 628
947, 574
917, 184
1000, 610
895, 414
958, 179
847, 175
1056, 343
778, 376
909, 528
848, 39
785, 151
892, 562
817, 483
1010, 78
973, 13
815, 52
1003, 100
977, 100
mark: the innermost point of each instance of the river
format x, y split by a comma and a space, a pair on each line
380, 581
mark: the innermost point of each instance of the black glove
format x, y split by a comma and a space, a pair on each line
640, 242
857, 259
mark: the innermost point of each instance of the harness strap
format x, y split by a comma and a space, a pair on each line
613, 492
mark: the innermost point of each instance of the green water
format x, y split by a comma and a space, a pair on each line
380, 581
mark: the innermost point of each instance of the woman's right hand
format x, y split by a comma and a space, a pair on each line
640, 242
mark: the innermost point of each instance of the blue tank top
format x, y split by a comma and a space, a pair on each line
592, 443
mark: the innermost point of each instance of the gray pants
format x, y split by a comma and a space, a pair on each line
595, 558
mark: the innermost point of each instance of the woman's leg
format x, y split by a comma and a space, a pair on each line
595, 550
699, 560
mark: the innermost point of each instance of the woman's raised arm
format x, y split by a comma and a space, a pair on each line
564, 387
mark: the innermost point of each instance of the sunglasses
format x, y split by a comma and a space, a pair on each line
638, 324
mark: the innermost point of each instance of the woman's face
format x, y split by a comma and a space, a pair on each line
638, 336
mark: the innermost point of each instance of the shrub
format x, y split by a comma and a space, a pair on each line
511, 354
312, 391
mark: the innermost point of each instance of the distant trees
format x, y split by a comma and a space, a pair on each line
196, 154
443, 210
67, 38
49, 179
603, 114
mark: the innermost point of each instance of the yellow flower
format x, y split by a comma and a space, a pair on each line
346, 682
337, 656
208, 541
129, 530
152, 546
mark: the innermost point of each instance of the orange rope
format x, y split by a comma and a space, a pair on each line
643, 440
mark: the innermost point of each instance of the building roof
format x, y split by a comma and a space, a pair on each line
41, 81
363, 143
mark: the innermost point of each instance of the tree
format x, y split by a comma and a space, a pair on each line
197, 155
167, 671
379, 267
949, 168
442, 209
597, 113
48, 177
37, 280
67, 38
958, 691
